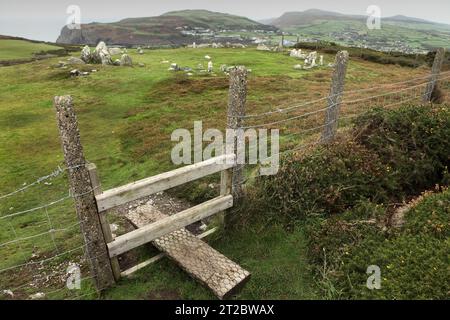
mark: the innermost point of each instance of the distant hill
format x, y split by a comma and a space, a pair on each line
16, 50
397, 33
308, 17
177, 27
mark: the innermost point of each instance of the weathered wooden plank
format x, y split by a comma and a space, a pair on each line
169, 224
118, 196
158, 257
198, 259
107, 234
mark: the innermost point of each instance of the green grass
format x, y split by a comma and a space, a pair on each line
125, 117
276, 259
21, 49
413, 259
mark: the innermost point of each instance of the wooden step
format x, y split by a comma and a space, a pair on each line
205, 264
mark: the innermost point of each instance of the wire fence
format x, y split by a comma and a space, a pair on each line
40, 236
41, 244
301, 125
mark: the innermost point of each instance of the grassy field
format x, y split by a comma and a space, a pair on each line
21, 49
126, 116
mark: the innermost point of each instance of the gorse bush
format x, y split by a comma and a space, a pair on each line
328, 180
413, 141
395, 154
413, 260
345, 193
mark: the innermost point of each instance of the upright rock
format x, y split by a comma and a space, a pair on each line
126, 61
102, 54
86, 55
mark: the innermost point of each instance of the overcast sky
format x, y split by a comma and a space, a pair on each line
43, 19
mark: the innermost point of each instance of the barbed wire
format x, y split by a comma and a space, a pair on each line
292, 118
48, 204
57, 172
51, 231
382, 86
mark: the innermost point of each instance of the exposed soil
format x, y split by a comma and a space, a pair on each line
163, 295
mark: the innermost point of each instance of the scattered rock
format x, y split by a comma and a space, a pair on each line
8, 293
77, 73
207, 57
115, 51
174, 67
114, 227
298, 67
37, 296
262, 47
74, 60
141, 65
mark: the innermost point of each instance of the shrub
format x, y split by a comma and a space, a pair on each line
413, 260
329, 180
411, 141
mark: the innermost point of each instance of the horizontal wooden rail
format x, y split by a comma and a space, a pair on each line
167, 225
135, 190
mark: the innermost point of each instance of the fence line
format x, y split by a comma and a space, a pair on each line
236, 117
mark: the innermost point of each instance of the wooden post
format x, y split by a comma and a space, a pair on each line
435, 71
107, 234
236, 110
80, 186
335, 97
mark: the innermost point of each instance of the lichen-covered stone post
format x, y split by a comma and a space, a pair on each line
335, 97
236, 111
83, 193
435, 71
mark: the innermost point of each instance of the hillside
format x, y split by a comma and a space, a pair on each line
172, 28
398, 33
15, 50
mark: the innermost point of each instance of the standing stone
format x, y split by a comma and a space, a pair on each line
102, 53
321, 60
210, 66
126, 61
86, 55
